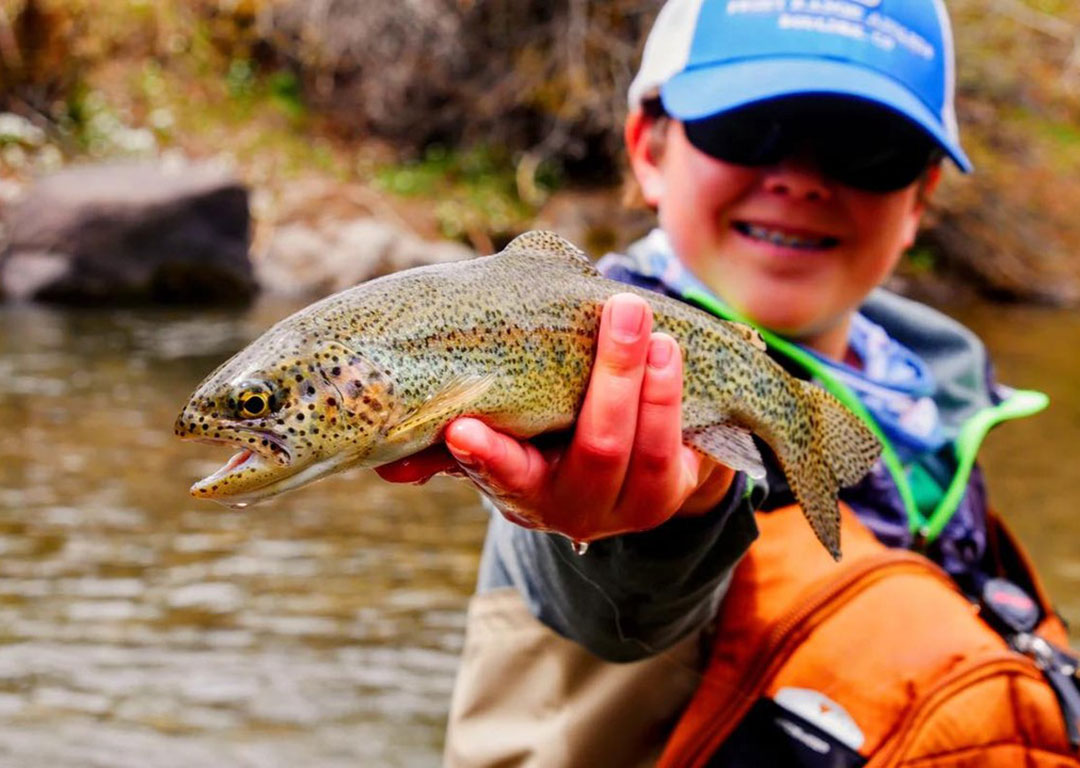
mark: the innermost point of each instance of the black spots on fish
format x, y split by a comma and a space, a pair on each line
332, 402
371, 402
299, 417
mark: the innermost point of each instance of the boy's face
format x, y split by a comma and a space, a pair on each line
788, 247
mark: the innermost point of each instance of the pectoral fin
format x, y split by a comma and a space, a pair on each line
729, 445
453, 400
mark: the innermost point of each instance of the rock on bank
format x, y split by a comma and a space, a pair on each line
129, 233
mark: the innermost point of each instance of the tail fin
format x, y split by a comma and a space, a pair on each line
839, 451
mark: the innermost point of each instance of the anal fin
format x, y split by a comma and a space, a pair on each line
729, 445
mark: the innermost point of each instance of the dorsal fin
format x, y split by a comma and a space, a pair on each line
749, 334
541, 242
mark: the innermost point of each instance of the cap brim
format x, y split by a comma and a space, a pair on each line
697, 93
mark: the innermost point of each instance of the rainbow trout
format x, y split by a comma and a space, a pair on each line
376, 372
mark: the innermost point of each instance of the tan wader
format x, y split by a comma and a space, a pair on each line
526, 696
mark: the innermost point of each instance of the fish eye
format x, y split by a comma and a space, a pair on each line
253, 403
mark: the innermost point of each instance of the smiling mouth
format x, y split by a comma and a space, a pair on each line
784, 238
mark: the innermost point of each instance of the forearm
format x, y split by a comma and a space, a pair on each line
630, 596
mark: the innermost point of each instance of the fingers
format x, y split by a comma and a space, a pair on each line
592, 471
657, 478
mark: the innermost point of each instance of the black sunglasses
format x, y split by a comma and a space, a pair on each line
854, 143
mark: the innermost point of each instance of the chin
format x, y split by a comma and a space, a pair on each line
784, 314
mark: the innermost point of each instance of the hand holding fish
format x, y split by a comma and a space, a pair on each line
626, 467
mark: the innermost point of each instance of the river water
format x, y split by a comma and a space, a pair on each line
141, 627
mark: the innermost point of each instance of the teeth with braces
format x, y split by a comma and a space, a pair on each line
779, 238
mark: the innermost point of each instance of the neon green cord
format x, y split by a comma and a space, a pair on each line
1021, 403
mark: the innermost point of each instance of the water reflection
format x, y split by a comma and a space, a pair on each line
141, 627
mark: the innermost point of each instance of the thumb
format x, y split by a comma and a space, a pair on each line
497, 461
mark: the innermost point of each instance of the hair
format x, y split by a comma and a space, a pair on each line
656, 141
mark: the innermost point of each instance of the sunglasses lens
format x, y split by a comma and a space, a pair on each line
872, 150
866, 148
746, 137
887, 171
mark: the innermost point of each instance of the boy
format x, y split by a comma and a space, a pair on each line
788, 149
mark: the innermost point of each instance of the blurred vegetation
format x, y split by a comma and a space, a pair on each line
481, 109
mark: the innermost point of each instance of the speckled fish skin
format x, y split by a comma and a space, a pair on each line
375, 373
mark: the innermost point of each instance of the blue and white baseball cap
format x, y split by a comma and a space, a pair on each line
709, 56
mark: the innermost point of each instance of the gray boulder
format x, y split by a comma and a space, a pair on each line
315, 260
129, 233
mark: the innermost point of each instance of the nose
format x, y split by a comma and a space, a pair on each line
797, 176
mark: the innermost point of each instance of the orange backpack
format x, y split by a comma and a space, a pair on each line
882, 651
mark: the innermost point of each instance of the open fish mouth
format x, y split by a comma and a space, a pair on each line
252, 467
257, 471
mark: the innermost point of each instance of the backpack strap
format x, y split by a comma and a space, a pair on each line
1017, 606
1013, 563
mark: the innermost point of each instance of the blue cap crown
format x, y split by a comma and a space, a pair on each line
709, 56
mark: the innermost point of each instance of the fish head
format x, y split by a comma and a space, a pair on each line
296, 409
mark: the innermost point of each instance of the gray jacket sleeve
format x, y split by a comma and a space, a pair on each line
629, 596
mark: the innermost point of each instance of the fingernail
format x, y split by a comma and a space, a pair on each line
627, 318
462, 456
660, 352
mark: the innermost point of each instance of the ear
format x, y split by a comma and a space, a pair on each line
643, 160
923, 192
930, 183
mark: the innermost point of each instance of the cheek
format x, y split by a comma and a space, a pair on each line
699, 194
886, 227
